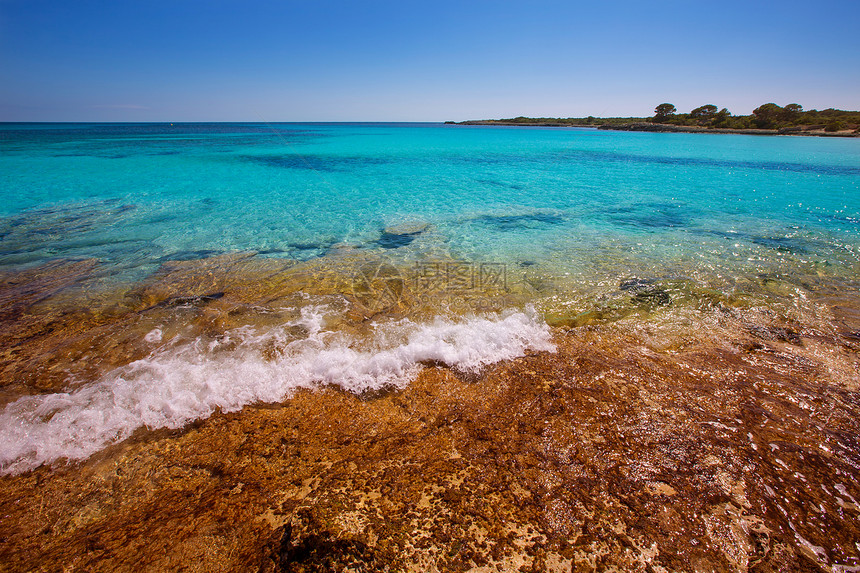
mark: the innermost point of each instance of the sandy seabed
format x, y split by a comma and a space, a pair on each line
668, 431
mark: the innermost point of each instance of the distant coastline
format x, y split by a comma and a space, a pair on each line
642, 125
812, 131
767, 119
807, 130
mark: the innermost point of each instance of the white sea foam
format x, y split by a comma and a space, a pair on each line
185, 382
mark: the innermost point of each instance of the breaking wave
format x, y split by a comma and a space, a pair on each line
183, 382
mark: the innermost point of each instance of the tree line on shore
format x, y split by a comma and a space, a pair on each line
765, 116
790, 117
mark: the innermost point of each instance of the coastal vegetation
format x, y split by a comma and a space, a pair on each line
590, 121
765, 116
790, 119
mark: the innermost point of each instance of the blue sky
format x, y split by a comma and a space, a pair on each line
369, 60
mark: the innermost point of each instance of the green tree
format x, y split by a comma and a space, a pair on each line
706, 111
721, 118
791, 112
663, 112
704, 114
766, 115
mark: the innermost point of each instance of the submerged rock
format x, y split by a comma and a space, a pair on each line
389, 241
396, 236
646, 291
341, 249
196, 300
640, 297
776, 334
412, 228
519, 222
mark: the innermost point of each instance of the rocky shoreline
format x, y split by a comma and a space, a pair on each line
669, 128
728, 445
523, 124
813, 131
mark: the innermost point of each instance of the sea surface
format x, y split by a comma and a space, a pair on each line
134, 196
459, 244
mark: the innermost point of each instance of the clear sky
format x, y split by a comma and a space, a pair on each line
380, 60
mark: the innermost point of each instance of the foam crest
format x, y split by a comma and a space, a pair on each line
181, 383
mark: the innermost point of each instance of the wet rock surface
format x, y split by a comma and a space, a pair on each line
728, 445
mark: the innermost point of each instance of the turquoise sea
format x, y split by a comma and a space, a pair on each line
563, 222
134, 195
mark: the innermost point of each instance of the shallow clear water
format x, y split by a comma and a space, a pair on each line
702, 235
136, 195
